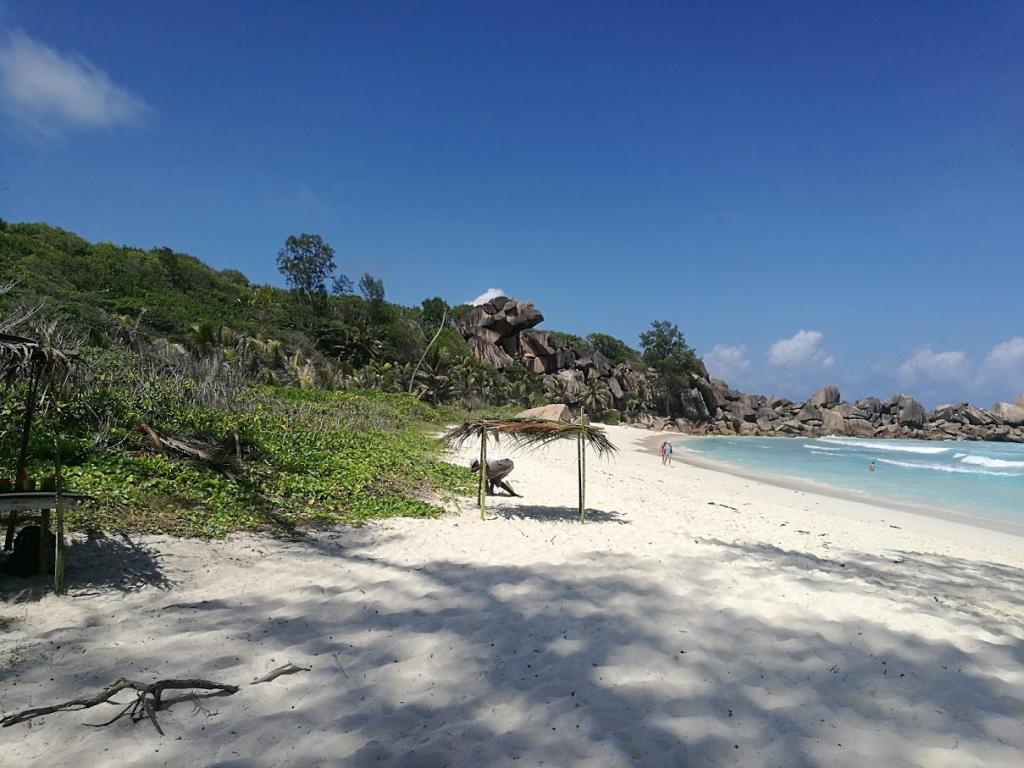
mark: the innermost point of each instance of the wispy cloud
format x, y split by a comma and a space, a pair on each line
483, 298
956, 372
928, 365
48, 92
801, 349
1006, 356
729, 363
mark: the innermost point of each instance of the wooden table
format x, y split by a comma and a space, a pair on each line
42, 502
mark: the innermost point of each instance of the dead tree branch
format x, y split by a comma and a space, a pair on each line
286, 669
225, 458
147, 700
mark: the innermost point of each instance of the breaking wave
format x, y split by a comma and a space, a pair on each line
986, 461
884, 445
952, 468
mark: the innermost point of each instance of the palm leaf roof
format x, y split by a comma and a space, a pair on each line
530, 433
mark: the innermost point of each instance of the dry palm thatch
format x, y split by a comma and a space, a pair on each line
528, 433
18, 354
40, 364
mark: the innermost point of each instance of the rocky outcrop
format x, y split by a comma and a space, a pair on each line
502, 332
1009, 414
493, 329
824, 413
554, 412
825, 397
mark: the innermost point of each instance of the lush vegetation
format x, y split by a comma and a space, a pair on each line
313, 336
307, 457
325, 391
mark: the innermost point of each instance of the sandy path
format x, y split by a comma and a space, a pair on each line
696, 619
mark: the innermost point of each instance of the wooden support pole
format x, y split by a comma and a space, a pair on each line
482, 491
58, 557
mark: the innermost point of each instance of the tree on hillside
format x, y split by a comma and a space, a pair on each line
665, 349
306, 262
341, 285
615, 350
434, 311
373, 291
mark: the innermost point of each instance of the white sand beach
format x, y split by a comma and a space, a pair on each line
697, 618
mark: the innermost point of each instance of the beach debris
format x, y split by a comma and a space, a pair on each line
726, 506
224, 456
148, 697
146, 704
284, 669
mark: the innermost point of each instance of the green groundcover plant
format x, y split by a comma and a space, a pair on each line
308, 457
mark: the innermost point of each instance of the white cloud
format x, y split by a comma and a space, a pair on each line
727, 363
929, 365
483, 298
1007, 355
48, 92
800, 349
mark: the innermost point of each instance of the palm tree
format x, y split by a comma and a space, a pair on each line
202, 337
595, 396
518, 393
557, 390
434, 376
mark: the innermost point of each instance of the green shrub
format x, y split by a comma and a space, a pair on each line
310, 458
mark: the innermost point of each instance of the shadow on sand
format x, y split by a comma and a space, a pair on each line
603, 660
556, 514
95, 562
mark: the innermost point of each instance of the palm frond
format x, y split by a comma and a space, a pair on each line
530, 433
18, 353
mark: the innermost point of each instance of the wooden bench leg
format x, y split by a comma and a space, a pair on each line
45, 543
12, 524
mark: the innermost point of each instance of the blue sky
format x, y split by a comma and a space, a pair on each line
815, 192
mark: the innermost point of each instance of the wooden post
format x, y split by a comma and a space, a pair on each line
58, 558
19, 472
482, 491
582, 461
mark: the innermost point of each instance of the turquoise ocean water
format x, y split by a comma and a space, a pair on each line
972, 478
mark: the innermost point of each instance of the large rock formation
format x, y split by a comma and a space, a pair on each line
826, 396
553, 412
1009, 414
824, 413
502, 332
493, 329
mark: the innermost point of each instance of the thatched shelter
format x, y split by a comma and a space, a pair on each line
531, 433
44, 369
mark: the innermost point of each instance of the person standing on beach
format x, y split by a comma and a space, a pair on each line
666, 453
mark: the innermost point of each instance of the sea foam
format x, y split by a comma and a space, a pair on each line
884, 445
951, 468
987, 461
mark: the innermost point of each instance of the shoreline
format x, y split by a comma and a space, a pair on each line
653, 442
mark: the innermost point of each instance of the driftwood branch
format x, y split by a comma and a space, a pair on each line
224, 458
285, 669
148, 698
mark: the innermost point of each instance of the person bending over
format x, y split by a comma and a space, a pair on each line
497, 470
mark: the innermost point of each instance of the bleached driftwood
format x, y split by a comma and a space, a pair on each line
148, 697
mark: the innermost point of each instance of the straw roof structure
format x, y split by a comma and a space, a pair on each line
531, 433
